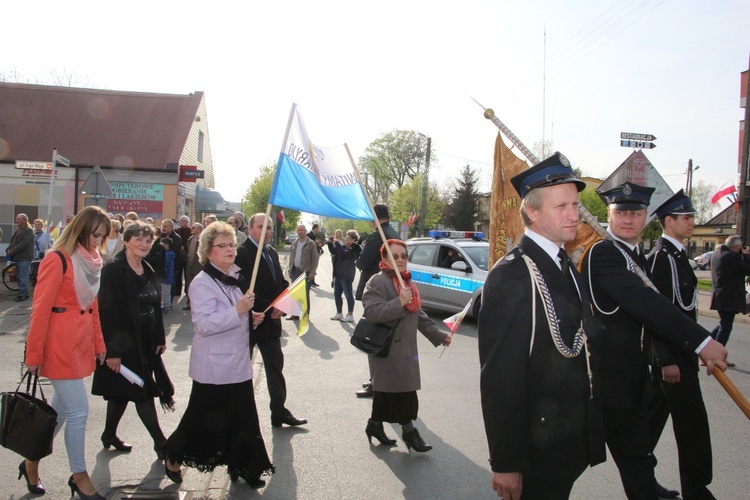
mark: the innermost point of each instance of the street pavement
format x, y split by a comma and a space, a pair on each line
330, 457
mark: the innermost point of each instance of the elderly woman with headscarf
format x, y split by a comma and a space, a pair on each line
396, 378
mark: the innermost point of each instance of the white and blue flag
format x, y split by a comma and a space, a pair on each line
317, 180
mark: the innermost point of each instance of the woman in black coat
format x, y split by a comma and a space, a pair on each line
133, 328
344, 256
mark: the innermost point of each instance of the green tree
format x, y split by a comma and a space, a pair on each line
461, 210
406, 201
594, 204
391, 161
257, 195
701, 197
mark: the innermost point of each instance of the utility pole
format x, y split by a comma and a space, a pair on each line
425, 187
689, 184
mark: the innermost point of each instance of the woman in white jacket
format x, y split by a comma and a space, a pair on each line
220, 425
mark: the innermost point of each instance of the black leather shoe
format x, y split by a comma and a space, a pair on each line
375, 430
116, 443
33, 488
292, 318
663, 492
414, 440
366, 392
288, 420
174, 475
75, 489
255, 483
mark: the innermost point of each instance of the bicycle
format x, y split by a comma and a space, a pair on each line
10, 280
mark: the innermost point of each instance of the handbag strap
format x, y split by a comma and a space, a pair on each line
29, 389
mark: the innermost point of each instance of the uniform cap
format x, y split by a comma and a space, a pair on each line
550, 172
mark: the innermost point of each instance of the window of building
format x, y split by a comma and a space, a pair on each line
708, 246
200, 146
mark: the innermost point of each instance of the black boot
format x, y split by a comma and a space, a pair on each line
414, 440
375, 430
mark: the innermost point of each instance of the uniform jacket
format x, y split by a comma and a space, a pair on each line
369, 259
22, 244
121, 323
266, 289
622, 307
399, 371
538, 414
64, 343
728, 271
661, 266
220, 352
309, 258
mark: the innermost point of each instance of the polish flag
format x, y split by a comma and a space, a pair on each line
281, 217
725, 190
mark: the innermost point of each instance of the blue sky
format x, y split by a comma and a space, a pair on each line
359, 69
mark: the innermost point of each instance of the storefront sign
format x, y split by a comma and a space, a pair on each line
147, 200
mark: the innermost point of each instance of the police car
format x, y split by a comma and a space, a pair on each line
449, 268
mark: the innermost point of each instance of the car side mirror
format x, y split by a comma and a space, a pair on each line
460, 266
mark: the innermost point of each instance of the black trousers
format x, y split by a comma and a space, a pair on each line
538, 489
684, 401
273, 364
626, 433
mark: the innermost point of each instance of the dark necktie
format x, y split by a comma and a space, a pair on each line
564, 262
271, 267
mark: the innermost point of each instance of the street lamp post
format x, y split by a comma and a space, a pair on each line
425, 187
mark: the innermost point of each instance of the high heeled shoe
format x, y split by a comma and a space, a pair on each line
174, 475
375, 430
255, 483
75, 489
116, 443
33, 488
414, 440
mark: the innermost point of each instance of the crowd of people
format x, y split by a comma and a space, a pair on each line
592, 357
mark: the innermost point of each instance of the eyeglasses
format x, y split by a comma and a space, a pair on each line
403, 256
224, 245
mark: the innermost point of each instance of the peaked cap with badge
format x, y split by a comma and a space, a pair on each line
550, 172
678, 204
627, 196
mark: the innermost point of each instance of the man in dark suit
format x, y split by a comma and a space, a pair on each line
675, 387
730, 263
540, 414
368, 264
269, 283
625, 312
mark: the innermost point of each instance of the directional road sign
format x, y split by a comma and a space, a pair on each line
637, 137
638, 144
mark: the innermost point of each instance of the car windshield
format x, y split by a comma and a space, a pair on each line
480, 255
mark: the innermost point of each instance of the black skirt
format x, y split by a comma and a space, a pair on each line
394, 407
220, 427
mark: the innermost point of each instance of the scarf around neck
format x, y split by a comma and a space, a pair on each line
87, 269
416, 301
219, 276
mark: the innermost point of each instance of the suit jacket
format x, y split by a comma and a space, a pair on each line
22, 244
623, 307
660, 264
266, 288
728, 271
538, 415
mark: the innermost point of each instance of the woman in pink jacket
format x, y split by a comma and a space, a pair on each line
65, 337
220, 425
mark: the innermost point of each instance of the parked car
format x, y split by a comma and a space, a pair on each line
703, 261
291, 239
449, 288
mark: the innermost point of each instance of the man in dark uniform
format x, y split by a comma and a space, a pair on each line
269, 283
675, 387
625, 311
369, 261
540, 415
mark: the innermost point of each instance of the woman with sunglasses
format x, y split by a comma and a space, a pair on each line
395, 378
220, 425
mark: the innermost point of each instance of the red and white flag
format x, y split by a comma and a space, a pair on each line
725, 190
281, 217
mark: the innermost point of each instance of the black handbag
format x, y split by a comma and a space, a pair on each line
27, 423
373, 338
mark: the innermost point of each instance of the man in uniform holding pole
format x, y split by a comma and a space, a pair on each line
625, 313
